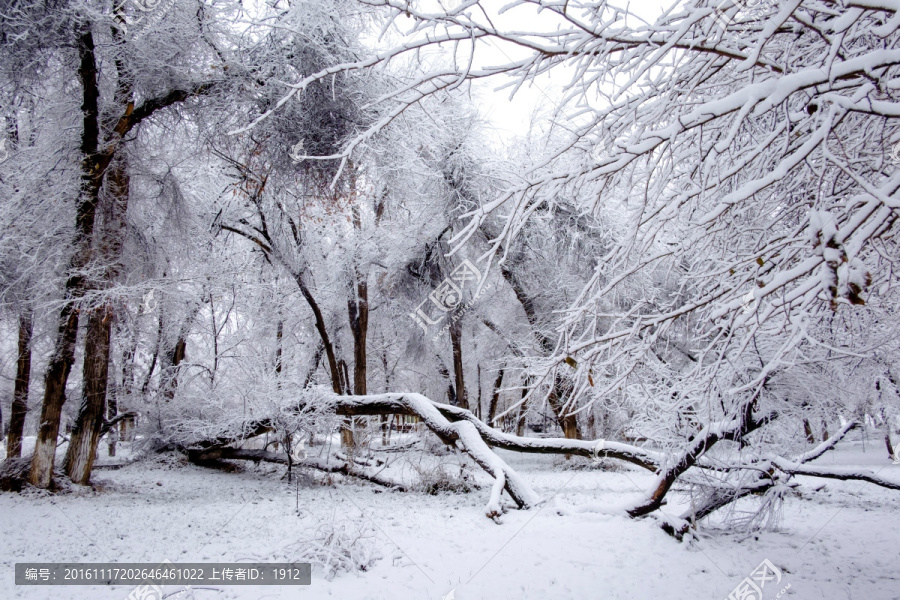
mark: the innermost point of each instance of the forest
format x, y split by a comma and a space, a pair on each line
453, 299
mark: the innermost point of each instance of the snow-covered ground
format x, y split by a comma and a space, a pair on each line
840, 542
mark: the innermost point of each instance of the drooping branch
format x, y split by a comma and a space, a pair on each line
710, 435
589, 449
461, 433
768, 477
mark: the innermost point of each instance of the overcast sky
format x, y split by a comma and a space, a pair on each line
511, 118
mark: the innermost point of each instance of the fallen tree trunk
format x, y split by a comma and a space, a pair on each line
454, 426
460, 433
589, 449
199, 456
769, 477
710, 435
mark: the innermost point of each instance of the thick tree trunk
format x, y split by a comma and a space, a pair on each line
97, 342
462, 399
86, 432
568, 422
63, 357
358, 312
19, 407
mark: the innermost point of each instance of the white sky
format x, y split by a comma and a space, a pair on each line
511, 118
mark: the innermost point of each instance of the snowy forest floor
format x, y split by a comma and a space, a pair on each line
840, 542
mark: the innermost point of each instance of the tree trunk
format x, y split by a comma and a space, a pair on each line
121, 394
317, 358
19, 407
523, 411
451, 391
358, 312
97, 343
174, 356
85, 434
807, 428
360, 327
323, 334
145, 387
60, 364
279, 334
567, 422
386, 420
495, 398
462, 399
478, 409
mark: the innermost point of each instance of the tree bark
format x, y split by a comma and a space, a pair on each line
358, 312
495, 399
63, 357
85, 435
807, 429
86, 432
523, 411
478, 407
451, 390
567, 422
93, 167
279, 335
174, 356
462, 399
323, 335
122, 392
19, 407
